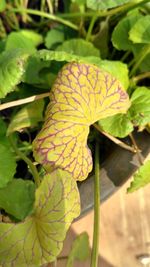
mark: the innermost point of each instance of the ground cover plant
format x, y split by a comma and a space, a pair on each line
70, 71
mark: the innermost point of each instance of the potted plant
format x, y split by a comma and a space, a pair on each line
92, 59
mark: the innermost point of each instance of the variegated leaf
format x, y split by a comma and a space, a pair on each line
39, 238
81, 95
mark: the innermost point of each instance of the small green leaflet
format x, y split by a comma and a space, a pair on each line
79, 47
54, 36
140, 33
118, 125
39, 238
17, 198
120, 35
28, 116
7, 160
11, 69
141, 178
80, 249
140, 106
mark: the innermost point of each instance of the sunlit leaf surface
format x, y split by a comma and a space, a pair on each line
38, 239
81, 95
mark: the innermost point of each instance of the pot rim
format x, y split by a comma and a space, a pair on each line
124, 163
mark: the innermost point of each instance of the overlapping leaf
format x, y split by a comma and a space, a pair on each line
81, 95
38, 239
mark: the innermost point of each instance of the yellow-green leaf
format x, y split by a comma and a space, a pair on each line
81, 95
28, 116
39, 238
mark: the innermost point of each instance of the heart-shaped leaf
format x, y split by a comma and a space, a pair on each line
81, 95
39, 238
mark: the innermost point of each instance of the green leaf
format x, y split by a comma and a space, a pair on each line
79, 47
80, 249
118, 125
7, 160
33, 36
33, 71
17, 198
141, 178
28, 116
18, 40
2, 5
120, 36
118, 69
102, 5
145, 64
11, 69
140, 32
140, 106
81, 95
39, 238
101, 38
54, 36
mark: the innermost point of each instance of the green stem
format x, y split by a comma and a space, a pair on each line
144, 52
92, 22
105, 13
125, 56
45, 15
95, 247
28, 161
141, 76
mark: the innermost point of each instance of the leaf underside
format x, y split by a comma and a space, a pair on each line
81, 95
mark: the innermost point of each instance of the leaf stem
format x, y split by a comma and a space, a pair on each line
114, 139
136, 149
139, 58
28, 161
23, 101
96, 230
92, 22
141, 76
45, 15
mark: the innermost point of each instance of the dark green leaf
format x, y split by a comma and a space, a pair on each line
118, 125
120, 36
100, 40
54, 36
140, 32
28, 116
140, 106
141, 178
79, 47
17, 198
101, 4
11, 69
7, 160
33, 71
80, 249
145, 64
